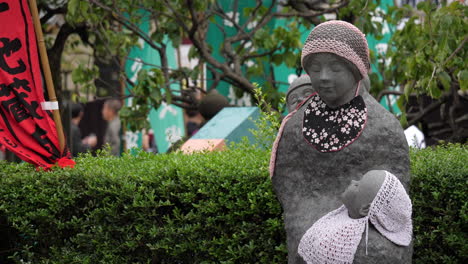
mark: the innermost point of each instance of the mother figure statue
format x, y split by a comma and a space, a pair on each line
336, 135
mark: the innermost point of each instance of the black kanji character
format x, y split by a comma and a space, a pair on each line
45, 142
5, 90
4, 7
8, 48
10, 143
20, 109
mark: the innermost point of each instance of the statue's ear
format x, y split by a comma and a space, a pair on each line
364, 210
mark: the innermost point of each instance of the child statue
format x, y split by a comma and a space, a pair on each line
298, 91
336, 134
378, 197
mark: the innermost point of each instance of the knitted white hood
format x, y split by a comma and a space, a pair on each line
335, 237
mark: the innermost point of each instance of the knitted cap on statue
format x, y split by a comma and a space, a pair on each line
340, 38
335, 237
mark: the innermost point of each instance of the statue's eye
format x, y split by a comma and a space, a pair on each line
307, 92
315, 68
292, 100
336, 67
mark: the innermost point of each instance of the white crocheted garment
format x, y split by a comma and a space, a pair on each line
332, 239
335, 237
390, 212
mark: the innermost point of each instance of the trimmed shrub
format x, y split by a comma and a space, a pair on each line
440, 202
202, 208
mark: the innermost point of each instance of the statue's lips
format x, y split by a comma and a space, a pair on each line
326, 88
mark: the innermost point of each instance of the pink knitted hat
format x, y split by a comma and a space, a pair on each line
334, 238
340, 38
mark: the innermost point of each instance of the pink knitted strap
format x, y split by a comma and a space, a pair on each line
367, 233
357, 88
275, 144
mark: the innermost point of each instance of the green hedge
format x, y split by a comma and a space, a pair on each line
439, 191
202, 208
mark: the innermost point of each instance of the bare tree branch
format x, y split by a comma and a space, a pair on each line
312, 13
432, 107
257, 55
387, 92
50, 12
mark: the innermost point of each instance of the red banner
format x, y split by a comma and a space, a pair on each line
25, 128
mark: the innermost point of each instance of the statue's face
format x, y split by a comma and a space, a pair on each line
298, 95
332, 78
360, 194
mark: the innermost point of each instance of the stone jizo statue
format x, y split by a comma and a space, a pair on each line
298, 91
336, 135
378, 198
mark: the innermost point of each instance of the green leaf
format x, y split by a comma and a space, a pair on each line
72, 7
434, 89
408, 89
401, 102
84, 7
193, 53
176, 39
76, 75
445, 79
155, 95
403, 120
277, 59
424, 6
463, 80
125, 112
157, 36
289, 59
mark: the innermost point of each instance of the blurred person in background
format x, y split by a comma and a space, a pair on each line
110, 113
79, 145
194, 121
149, 141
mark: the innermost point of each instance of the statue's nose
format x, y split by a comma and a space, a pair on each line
325, 74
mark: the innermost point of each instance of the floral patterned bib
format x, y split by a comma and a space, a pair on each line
328, 129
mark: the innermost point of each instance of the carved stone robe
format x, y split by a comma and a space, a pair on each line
308, 183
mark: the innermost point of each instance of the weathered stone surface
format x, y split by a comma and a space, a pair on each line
308, 183
380, 250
